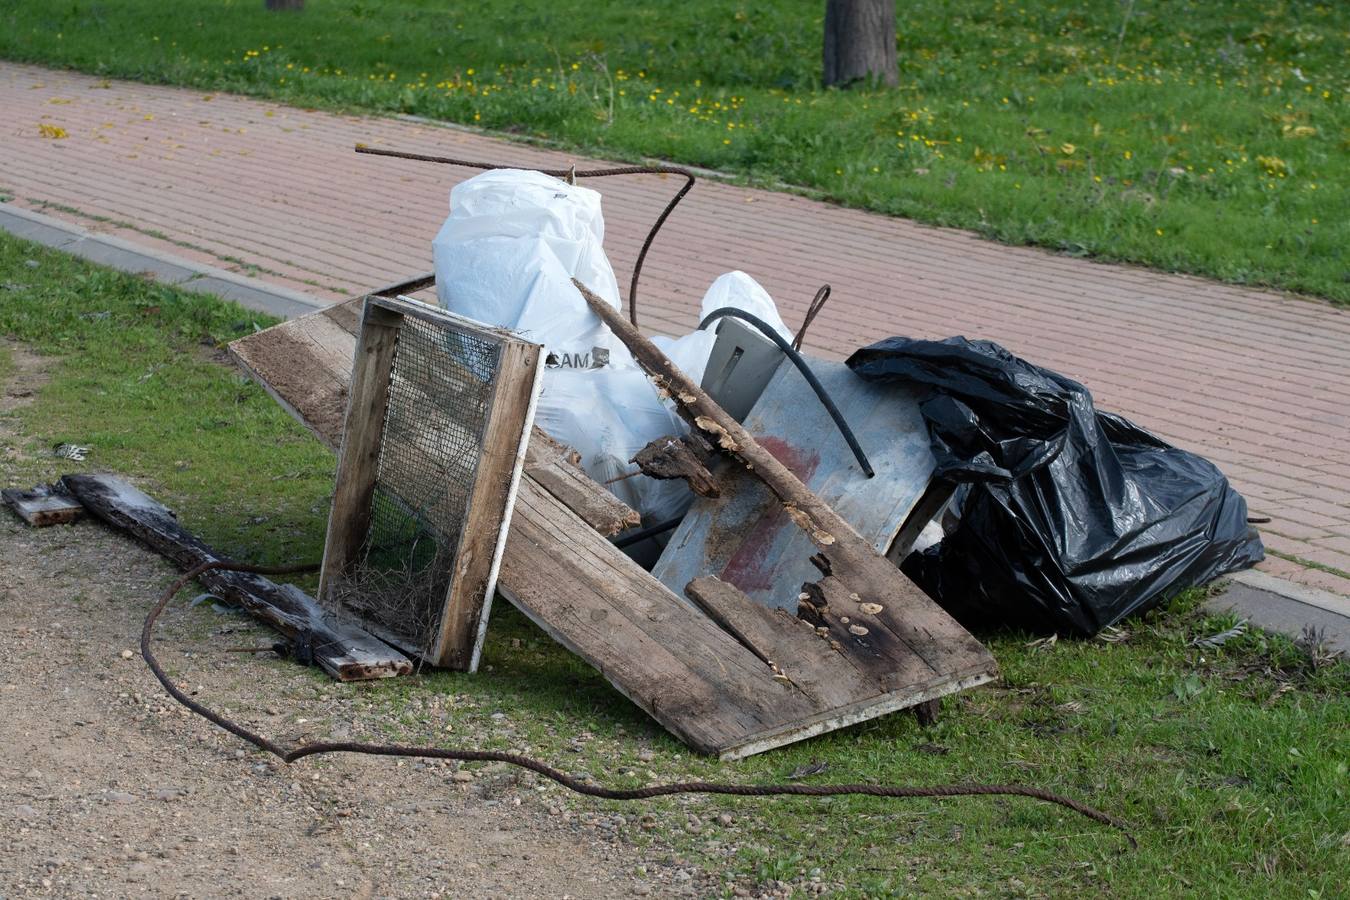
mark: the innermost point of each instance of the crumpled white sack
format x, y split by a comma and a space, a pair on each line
743, 292
507, 255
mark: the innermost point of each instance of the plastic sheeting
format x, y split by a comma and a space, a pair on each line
1070, 519
507, 254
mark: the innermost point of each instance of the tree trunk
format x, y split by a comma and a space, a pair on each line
284, 4
860, 43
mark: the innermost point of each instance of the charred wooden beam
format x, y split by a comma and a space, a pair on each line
674, 457
343, 650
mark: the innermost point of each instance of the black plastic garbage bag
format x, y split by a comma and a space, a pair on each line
1070, 519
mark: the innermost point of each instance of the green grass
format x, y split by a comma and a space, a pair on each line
1230, 763
1206, 137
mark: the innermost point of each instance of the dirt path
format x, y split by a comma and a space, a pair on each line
108, 788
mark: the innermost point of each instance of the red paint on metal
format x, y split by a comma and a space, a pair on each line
748, 567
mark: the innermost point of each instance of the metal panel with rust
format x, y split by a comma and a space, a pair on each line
745, 538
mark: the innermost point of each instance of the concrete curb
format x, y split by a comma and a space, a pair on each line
125, 256
1292, 590
1275, 605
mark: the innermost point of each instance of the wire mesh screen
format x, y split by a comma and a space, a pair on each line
440, 392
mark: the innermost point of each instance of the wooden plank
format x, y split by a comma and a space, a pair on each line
792, 647
343, 650
557, 469
483, 535
358, 461
745, 537
43, 505
906, 614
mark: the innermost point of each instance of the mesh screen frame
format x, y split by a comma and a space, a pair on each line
438, 419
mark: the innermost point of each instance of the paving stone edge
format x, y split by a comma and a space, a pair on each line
117, 253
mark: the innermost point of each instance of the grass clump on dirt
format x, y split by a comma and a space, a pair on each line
1230, 761
1201, 137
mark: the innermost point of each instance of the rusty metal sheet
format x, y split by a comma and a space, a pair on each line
744, 537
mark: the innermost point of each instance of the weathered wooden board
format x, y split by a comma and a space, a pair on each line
557, 469
706, 679
43, 505
439, 414
745, 536
306, 365
340, 648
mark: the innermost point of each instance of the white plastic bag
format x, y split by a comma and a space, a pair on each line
743, 292
507, 255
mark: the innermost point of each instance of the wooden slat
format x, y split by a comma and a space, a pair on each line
43, 505
798, 653
343, 650
557, 469
358, 461
482, 536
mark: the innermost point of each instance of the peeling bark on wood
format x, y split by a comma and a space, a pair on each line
344, 651
671, 457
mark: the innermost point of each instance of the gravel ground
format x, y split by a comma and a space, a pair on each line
109, 788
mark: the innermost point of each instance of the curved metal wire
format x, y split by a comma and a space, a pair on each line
572, 173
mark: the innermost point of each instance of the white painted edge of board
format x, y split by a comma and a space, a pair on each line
500, 550
851, 715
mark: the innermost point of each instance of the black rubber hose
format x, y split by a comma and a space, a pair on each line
811, 379
642, 534
297, 752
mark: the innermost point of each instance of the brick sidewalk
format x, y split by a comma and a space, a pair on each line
1256, 381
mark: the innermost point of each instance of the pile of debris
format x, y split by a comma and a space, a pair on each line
716, 523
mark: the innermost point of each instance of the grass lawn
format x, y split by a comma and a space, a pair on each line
1206, 137
1231, 763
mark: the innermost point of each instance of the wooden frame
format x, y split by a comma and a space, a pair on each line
456, 637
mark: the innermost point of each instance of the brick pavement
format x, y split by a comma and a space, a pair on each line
1256, 381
